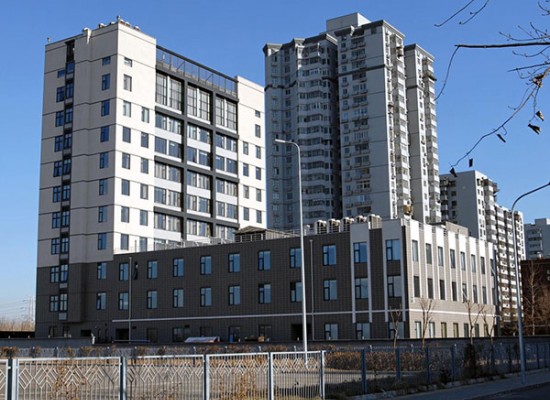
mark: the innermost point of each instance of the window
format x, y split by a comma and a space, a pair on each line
443, 329
295, 257
126, 134
103, 160
151, 299
105, 108
454, 293
430, 288
101, 241
104, 134
394, 286
226, 113
258, 195
455, 330
105, 81
295, 292
484, 294
198, 103
258, 216
144, 166
125, 187
393, 252
428, 253
416, 284
65, 245
145, 114
54, 303
144, 140
246, 213
123, 271
264, 293
124, 242
124, 214
54, 274
177, 298
330, 290
473, 262
206, 265
106, 60
464, 293
143, 217
474, 292
178, 334
331, 331
258, 152
126, 108
69, 90
127, 61
463, 261
57, 168
178, 267
101, 301
442, 289
264, 260
362, 330
152, 269
56, 220
440, 256
65, 192
101, 271
103, 188
245, 169
56, 194
452, 255
361, 288
206, 297
258, 173
431, 329
128, 83
60, 94
125, 160
59, 118
482, 264
234, 260
234, 295
329, 254
258, 131
360, 252
123, 301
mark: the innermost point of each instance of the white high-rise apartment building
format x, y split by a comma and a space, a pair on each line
537, 237
143, 149
470, 200
361, 106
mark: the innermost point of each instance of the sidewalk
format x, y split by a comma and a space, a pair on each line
510, 383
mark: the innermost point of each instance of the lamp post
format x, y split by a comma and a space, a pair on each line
302, 265
518, 295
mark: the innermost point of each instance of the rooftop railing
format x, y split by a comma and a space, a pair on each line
190, 69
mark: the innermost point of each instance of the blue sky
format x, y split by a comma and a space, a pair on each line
229, 36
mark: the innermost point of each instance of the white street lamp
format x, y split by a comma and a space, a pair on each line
302, 264
518, 295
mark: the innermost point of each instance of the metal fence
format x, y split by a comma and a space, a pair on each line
277, 375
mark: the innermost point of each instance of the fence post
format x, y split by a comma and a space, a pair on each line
322, 373
270, 378
510, 358
364, 371
10, 380
397, 364
453, 355
538, 357
428, 375
493, 361
206, 377
123, 379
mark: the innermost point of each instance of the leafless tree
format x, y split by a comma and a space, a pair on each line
532, 44
395, 315
488, 321
427, 306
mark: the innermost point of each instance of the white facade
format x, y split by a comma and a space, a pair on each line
361, 106
143, 149
537, 238
438, 264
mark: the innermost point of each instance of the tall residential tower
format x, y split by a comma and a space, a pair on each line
361, 106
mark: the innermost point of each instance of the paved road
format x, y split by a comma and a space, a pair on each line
541, 392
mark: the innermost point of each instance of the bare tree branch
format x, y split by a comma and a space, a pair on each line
455, 14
